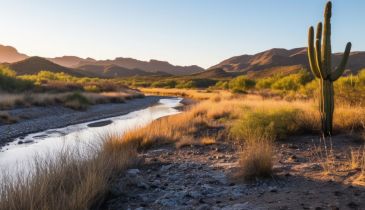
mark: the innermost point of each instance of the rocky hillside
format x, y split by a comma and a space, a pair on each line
282, 61
33, 65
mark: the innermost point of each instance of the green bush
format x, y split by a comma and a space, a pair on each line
10, 83
196, 83
241, 84
221, 85
164, 84
292, 82
262, 124
76, 101
265, 83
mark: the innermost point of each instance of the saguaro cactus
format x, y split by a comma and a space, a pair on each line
319, 54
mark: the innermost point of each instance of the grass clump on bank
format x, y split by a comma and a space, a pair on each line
69, 180
76, 101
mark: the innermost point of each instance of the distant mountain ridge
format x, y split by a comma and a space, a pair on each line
147, 66
33, 65
9, 54
279, 60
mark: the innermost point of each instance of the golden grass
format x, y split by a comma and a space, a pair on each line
69, 181
256, 160
188, 93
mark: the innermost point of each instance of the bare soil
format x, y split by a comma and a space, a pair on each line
204, 177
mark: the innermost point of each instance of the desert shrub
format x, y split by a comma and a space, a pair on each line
164, 84
350, 89
310, 89
76, 101
196, 83
9, 82
141, 83
257, 124
265, 83
292, 82
241, 84
92, 88
221, 85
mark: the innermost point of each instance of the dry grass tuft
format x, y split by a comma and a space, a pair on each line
256, 160
71, 180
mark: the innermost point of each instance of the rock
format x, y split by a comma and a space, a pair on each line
239, 206
100, 123
165, 168
273, 189
353, 205
156, 183
292, 146
143, 185
133, 172
195, 194
204, 207
28, 141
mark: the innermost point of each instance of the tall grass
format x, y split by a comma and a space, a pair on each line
69, 180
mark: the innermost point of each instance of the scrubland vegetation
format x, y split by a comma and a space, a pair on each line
48, 88
349, 89
251, 120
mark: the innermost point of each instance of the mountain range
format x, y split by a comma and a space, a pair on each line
119, 67
262, 64
282, 61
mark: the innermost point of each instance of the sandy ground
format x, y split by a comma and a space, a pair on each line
204, 177
35, 119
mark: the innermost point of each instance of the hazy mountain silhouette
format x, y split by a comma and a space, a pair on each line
147, 66
9, 54
117, 71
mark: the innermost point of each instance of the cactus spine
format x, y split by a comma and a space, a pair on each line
319, 55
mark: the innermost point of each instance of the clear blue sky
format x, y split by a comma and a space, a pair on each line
183, 32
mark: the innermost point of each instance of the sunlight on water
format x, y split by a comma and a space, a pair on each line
43, 144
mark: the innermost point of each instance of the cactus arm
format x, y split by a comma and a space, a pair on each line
318, 46
341, 68
311, 54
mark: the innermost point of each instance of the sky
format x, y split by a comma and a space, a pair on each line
183, 32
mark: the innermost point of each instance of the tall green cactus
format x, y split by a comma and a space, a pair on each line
319, 54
